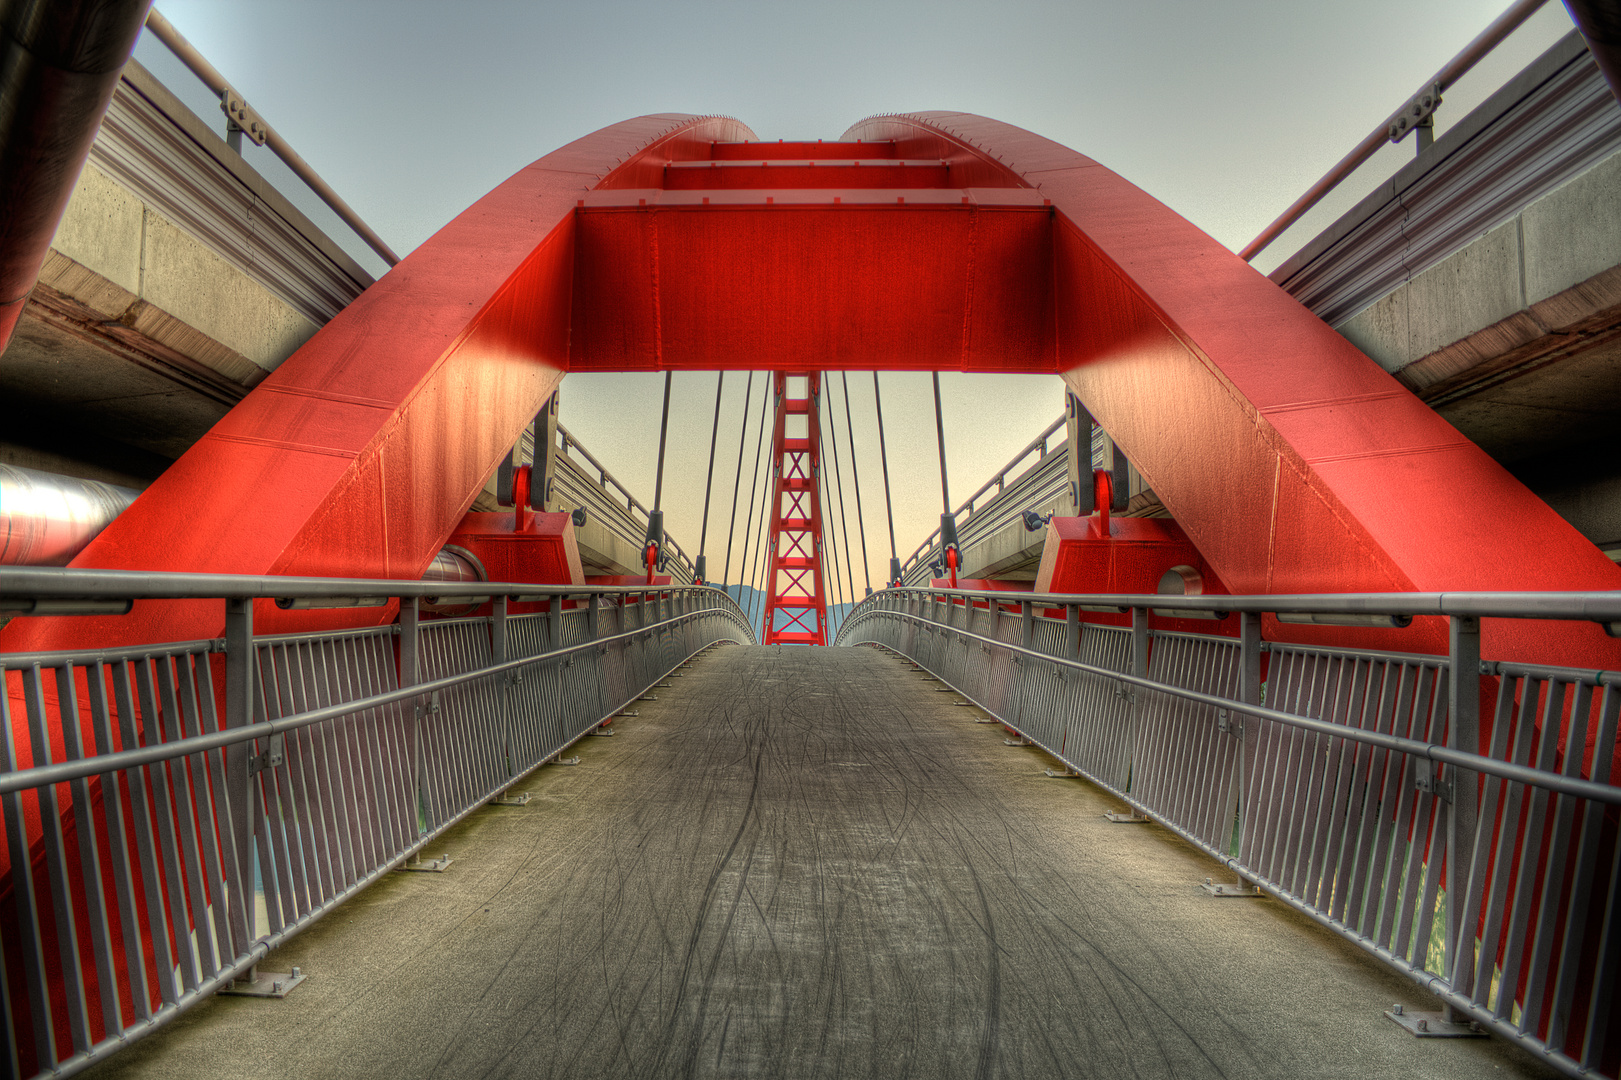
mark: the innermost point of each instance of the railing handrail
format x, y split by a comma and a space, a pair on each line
1552, 781
1602, 607
187, 54
62, 583
46, 582
64, 771
1484, 42
1039, 442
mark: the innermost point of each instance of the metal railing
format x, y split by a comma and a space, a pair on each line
1416, 115
1359, 787
174, 812
242, 119
1009, 498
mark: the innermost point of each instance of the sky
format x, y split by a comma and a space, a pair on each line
1224, 111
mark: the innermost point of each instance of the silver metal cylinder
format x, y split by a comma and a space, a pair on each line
46, 519
454, 564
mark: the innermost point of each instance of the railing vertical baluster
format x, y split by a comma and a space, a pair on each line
503, 693
1463, 733
410, 675
1249, 692
240, 660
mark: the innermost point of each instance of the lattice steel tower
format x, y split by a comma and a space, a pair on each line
794, 587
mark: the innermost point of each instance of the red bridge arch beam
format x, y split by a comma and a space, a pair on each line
361, 453
1294, 463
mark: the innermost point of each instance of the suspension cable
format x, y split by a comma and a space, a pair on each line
654, 550
737, 481
838, 478
949, 551
830, 566
709, 479
940, 439
754, 484
889, 507
855, 477
664, 430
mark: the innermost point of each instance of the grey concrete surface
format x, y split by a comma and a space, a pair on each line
808, 863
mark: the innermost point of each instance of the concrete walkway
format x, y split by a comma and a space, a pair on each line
807, 863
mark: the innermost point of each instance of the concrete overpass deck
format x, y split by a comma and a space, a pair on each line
808, 863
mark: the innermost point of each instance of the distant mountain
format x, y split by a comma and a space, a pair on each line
752, 601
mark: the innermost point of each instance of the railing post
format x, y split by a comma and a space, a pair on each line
555, 609
498, 655
1463, 733
410, 675
1027, 613
591, 617
239, 664
1072, 626
1249, 692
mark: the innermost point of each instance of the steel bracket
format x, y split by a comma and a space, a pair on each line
1127, 817
431, 866
274, 755
242, 118
1426, 780
566, 760
1416, 113
1067, 774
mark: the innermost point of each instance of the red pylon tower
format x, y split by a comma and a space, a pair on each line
794, 586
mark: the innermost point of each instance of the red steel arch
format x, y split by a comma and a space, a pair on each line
928, 240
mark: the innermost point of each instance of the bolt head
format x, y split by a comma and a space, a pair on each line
1396, 1008
297, 973
1423, 1025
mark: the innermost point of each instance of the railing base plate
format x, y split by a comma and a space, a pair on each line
264, 984
1434, 1025
1232, 888
425, 866
566, 761
506, 799
1067, 774
1126, 818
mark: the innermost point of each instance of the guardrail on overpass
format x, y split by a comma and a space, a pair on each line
174, 812
1346, 783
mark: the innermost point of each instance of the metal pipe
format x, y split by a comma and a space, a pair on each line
1487, 40
188, 55
1600, 24
59, 65
46, 519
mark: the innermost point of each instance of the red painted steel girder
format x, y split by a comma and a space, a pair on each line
1292, 461
362, 452
794, 583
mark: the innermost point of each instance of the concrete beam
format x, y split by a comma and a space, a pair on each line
1547, 281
